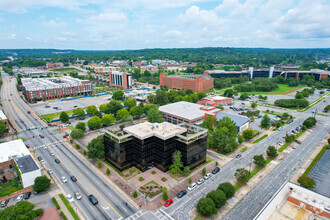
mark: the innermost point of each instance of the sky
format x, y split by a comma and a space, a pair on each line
138, 24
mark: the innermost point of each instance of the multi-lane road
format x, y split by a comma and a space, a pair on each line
111, 205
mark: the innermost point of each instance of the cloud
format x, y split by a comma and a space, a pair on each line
28, 38
195, 16
12, 36
172, 34
54, 24
108, 17
310, 19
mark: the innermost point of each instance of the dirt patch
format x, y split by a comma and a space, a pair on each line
283, 93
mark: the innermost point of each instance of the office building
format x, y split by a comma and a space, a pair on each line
150, 68
197, 83
4, 118
120, 80
16, 152
37, 89
242, 122
106, 69
215, 100
147, 144
186, 112
54, 65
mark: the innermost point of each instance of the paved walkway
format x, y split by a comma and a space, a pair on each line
63, 207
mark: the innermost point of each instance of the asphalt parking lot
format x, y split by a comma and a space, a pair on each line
321, 175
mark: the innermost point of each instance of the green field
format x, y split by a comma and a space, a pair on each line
281, 88
54, 116
67, 70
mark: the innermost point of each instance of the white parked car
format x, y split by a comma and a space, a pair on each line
69, 198
42, 162
310, 130
19, 198
279, 129
200, 181
207, 176
64, 179
192, 186
52, 153
50, 171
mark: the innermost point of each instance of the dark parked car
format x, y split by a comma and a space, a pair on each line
27, 195
35, 192
238, 155
182, 193
73, 178
39, 158
216, 170
28, 112
294, 131
299, 142
40, 135
57, 161
289, 122
92, 199
47, 106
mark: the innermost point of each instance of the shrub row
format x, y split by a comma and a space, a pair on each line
287, 103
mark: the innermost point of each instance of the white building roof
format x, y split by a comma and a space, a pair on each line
2, 115
163, 130
13, 149
186, 110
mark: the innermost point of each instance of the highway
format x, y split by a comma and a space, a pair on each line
253, 202
111, 204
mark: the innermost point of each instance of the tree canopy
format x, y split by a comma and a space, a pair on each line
242, 175
41, 183
76, 133
206, 207
108, 119
177, 163
154, 115
94, 122
96, 148
118, 95
64, 117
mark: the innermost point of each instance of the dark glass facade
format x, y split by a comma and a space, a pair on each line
153, 150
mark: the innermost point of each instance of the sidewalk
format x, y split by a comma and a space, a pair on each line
63, 208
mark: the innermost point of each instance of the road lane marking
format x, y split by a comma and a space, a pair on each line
106, 201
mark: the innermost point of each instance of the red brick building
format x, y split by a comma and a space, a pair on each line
120, 80
215, 100
37, 89
150, 68
197, 83
54, 65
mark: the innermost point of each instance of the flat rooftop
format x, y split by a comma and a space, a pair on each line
26, 164
13, 149
162, 130
186, 110
2, 115
34, 84
239, 120
192, 77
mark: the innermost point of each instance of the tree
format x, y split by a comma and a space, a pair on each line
91, 109
248, 134
113, 107
244, 96
118, 95
240, 139
259, 160
64, 117
97, 113
161, 98
3, 127
165, 194
229, 93
189, 92
272, 152
103, 107
81, 126
108, 171
306, 182
204, 171
186, 170
177, 163
154, 115
201, 95
122, 113
79, 112
108, 119
129, 103
228, 189
94, 122
299, 95
218, 197
253, 105
206, 207
76, 133
242, 175
190, 180
265, 121
209, 122
22, 210
135, 195
96, 148
309, 122
136, 111
151, 98
41, 183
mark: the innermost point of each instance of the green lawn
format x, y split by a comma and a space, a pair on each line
70, 69
244, 149
69, 207
54, 116
316, 159
283, 148
221, 91
260, 139
10, 187
281, 88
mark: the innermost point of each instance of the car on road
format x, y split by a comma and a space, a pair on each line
57, 161
27, 195
216, 170
200, 181
40, 135
69, 198
19, 198
192, 186
75, 106
299, 142
50, 171
289, 122
42, 162
280, 143
47, 106
310, 130
4, 203
207, 176
294, 131
52, 153
293, 147
28, 112
39, 158
92, 199
73, 178
238, 155
279, 129
182, 193
22, 120
64, 179
77, 195
55, 107
168, 203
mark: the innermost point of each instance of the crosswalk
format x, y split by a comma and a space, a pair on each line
156, 214
47, 145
